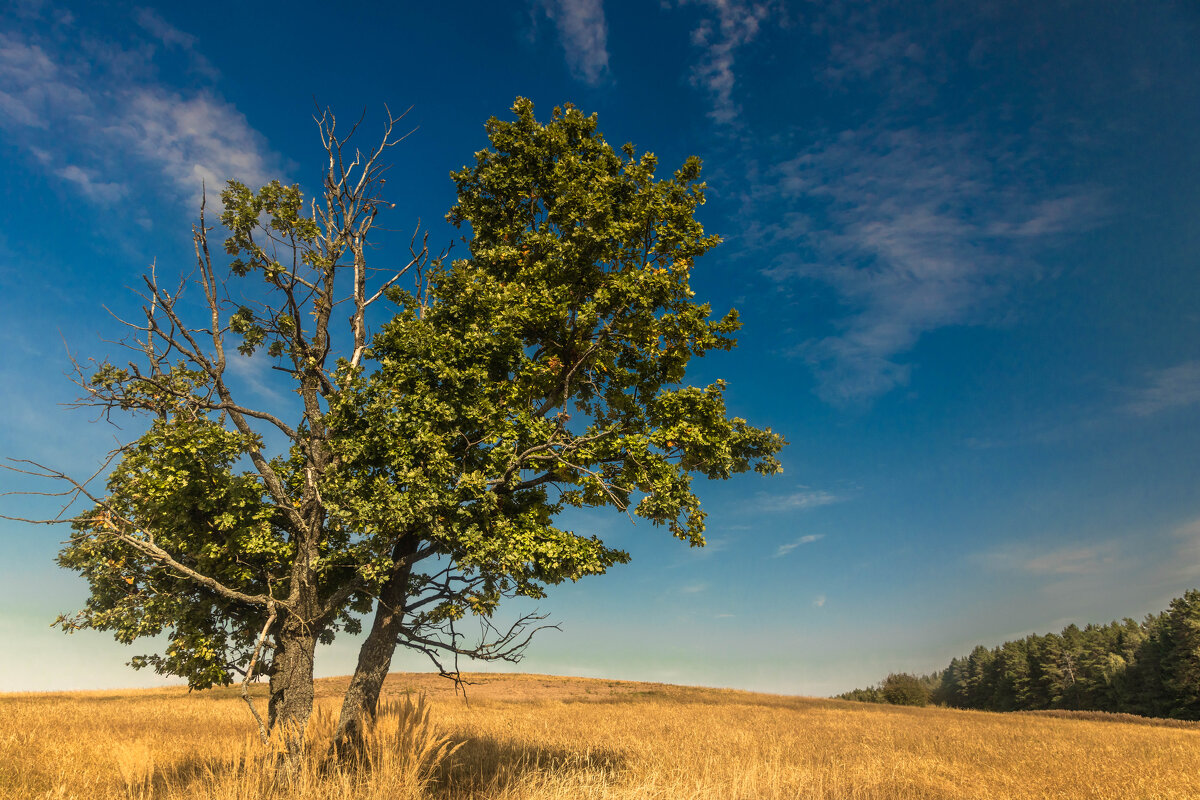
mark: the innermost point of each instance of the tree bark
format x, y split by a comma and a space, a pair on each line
291, 689
375, 654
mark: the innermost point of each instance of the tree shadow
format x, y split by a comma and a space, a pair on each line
482, 766
159, 780
478, 767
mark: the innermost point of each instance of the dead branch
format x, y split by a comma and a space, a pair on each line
262, 729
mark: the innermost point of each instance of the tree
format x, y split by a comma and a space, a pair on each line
870, 694
425, 466
1181, 656
903, 689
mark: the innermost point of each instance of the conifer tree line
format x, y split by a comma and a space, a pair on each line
1151, 668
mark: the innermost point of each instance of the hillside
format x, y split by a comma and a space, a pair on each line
553, 738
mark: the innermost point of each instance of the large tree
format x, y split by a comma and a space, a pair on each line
423, 467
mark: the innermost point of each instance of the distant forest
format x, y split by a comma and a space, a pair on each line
1151, 668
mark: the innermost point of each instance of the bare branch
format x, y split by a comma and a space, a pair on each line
262, 637
494, 645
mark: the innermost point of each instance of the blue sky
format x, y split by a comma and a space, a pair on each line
964, 239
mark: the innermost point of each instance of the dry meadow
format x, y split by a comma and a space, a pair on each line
527, 737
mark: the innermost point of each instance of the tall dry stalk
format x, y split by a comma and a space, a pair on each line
399, 758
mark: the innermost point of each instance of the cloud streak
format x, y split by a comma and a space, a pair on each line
784, 549
732, 25
1166, 389
796, 501
1093, 559
583, 33
1185, 565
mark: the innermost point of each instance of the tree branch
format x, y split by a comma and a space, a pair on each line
112, 522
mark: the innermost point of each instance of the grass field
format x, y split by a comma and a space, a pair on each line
550, 738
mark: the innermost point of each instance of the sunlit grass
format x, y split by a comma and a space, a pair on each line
526, 737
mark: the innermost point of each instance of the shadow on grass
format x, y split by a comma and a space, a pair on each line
162, 781
483, 766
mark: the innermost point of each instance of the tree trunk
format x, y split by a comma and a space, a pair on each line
291, 700
375, 655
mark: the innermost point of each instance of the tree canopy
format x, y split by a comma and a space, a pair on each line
425, 465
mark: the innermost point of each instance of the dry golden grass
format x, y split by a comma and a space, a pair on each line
545, 738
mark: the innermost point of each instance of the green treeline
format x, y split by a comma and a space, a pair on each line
1151, 668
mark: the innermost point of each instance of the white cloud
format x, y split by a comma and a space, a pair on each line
100, 191
1165, 389
796, 501
15, 110
113, 121
695, 588
255, 373
201, 138
734, 24
819, 601
1160, 559
34, 90
583, 33
784, 549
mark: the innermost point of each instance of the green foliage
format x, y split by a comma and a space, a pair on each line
548, 359
902, 689
543, 371
178, 481
869, 695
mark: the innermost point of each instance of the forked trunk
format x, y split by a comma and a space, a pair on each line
375, 656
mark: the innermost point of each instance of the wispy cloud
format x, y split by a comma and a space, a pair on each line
172, 37
712, 546
1185, 566
583, 33
915, 221
915, 231
255, 373
113, 120
819, 601
94, 188
34, 90
795, 501
1076, 559
784, 549
1087, 560
694, 588
194, 139
1165, 389
732, 24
